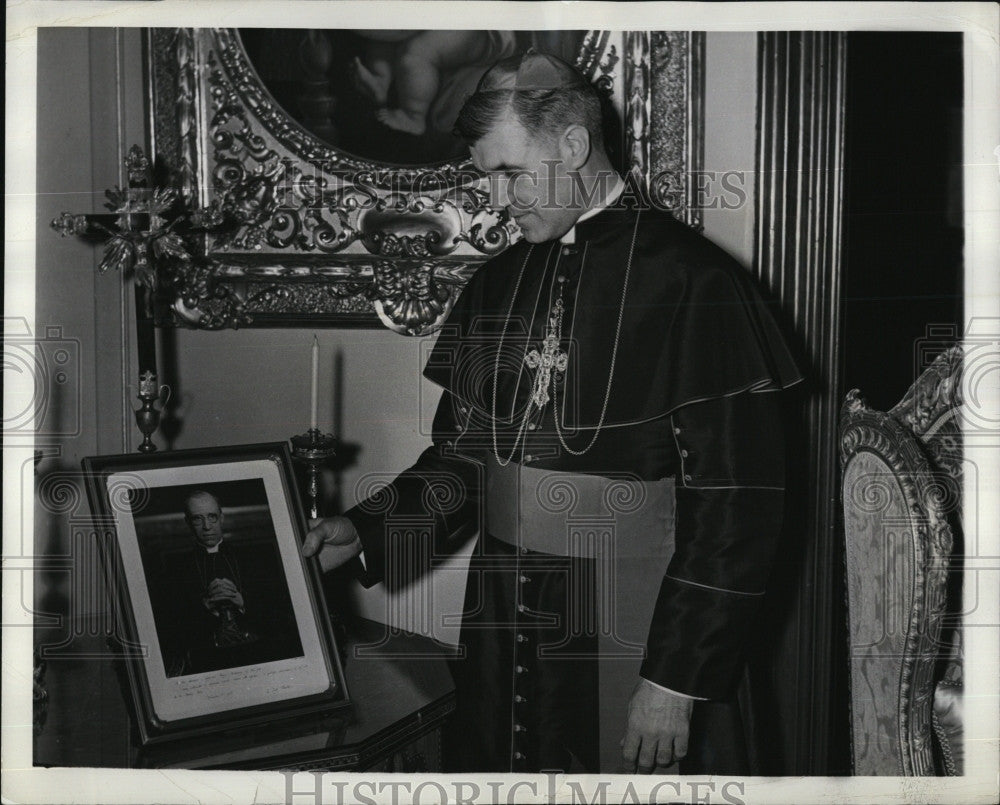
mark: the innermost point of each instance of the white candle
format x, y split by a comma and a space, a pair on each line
315, 378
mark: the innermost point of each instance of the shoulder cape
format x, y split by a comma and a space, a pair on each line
695, 326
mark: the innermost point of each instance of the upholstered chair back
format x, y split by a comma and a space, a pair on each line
901, 495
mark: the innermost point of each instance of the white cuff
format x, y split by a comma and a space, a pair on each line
675, 692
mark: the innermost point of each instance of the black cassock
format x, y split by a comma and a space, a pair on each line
691, 424
187, 629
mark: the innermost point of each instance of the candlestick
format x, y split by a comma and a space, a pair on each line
315, 380
147, 416
313, 449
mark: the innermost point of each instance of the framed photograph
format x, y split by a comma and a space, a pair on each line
223, 622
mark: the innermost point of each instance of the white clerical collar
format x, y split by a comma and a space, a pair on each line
609, 199
214, 548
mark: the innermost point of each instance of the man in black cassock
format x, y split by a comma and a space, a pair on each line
610, 424
218, 605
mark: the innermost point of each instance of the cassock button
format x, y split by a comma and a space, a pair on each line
520, 607
532, 426
687, 477
523, 550
520, 728
684, 453
518, 756
519, 699
523, 579
528, 458
521, 669
522, 639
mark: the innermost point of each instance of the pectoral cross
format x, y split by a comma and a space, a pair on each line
550, 359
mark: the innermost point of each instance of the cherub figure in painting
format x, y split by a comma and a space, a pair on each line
404, 73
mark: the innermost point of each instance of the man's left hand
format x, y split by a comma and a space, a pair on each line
657, 732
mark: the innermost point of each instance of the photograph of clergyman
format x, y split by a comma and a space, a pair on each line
211, 563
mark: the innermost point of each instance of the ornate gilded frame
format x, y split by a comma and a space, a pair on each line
324, 238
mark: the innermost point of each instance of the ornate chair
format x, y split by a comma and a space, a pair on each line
902, 477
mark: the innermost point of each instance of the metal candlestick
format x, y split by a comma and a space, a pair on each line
147, 416
314, 449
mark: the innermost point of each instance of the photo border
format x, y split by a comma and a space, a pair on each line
145, 688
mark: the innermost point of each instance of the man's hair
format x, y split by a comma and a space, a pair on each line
542, 112
200, 493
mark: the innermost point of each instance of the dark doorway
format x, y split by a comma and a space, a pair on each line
902, 207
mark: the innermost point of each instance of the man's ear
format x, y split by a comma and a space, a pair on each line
574, 146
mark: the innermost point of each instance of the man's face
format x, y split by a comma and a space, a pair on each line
528, 178
204, 518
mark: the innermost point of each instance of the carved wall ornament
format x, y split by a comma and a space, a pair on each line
140, 232
291, 229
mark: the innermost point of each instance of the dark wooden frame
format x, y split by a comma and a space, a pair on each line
151, 728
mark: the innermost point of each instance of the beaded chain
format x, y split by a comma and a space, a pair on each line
554, 335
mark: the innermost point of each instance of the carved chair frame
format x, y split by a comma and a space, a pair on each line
927, 495
327, 239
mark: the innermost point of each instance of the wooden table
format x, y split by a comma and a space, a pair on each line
399, 699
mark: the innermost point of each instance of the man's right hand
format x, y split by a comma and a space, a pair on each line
334, 538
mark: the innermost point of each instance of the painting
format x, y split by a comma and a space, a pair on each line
322, 179
386, 96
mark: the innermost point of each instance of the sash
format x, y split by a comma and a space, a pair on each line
627, 527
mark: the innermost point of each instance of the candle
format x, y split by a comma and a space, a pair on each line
315, 378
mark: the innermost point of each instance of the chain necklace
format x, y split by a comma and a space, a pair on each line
496, 372
551, 359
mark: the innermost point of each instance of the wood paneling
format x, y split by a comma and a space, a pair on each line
798, 258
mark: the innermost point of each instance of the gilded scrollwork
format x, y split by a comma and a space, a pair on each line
316, 298
411, 298
675, 122
301, 143
202, 302
391, 243
637, 104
